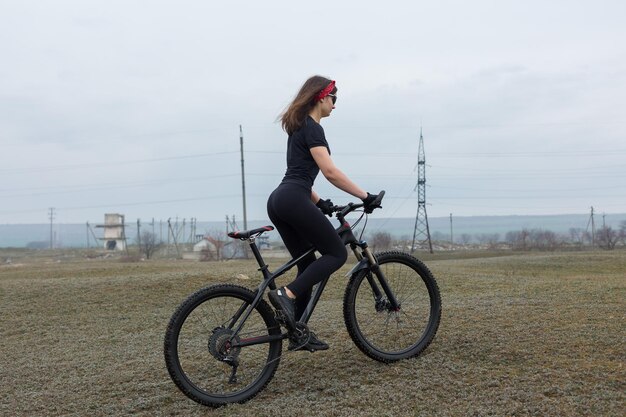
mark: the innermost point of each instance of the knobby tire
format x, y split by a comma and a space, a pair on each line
385, 335
191, 343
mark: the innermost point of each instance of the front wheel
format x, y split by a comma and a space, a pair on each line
201, 351
380, 332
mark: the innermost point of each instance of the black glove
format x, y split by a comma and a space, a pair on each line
367, 202
326, 206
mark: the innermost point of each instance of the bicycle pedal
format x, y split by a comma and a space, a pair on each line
280, 317
300, 348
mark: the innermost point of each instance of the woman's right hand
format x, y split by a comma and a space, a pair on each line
326, 206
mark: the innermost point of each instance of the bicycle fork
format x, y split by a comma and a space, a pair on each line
368, 261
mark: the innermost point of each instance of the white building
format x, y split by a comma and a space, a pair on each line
114, 234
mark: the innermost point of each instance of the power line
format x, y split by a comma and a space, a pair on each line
533, 154
143, 203
532, 174
523, 190
602, 166
113, 163
80, 188
112, 186
586, 153
435, 154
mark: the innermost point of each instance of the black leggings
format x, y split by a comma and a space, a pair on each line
302, 225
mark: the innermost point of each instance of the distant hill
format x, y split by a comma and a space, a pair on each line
75, 235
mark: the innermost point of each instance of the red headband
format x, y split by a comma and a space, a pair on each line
325, 91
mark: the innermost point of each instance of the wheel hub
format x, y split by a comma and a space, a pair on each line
220, 345
383, 304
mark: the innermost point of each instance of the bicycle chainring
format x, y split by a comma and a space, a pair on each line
301, 335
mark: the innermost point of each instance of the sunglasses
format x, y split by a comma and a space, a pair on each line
333, 97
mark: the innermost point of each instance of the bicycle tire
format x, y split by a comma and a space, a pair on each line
194, 346
373, 331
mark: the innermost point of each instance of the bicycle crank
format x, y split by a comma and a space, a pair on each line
299, 337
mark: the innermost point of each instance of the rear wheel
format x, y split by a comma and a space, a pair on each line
380, 332
200, 346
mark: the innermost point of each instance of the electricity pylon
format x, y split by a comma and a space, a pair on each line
421, 233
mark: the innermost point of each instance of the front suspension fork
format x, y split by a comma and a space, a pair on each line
374, 269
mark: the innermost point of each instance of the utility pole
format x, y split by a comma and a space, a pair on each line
51, 216
451, 234
593, 228
243, 180
95, 239
421, 233
169, 227
169, 223
139, 234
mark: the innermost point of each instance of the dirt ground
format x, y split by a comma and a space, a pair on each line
521, 335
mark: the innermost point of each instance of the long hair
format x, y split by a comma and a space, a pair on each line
295, 115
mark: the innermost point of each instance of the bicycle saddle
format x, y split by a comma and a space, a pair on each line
246, 234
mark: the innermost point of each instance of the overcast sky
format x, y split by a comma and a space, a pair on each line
134, 107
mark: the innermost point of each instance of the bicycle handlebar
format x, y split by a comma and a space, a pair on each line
343, 211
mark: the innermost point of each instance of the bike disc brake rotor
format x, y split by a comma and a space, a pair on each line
220, 345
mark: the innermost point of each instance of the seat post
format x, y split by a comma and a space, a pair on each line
257, 255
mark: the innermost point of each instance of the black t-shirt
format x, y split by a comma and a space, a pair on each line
301, 167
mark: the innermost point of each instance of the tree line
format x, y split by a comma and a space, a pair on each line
606, 238
522, 240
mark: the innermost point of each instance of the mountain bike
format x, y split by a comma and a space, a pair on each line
224, 342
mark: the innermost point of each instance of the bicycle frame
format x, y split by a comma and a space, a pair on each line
365, 259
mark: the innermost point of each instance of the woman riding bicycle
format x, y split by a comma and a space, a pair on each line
297, 211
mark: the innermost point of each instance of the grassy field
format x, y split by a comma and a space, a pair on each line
525, 334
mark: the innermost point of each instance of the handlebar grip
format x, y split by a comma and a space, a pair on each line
379, 199
344, 210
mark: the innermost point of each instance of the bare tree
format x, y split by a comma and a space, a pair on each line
438, 236
381, 241
577, 235
534, 239
148, 244
622, 232
519, 239
607, 238
466, 238
543, 239
489, 239
493, 240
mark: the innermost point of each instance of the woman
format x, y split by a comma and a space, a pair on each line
297, 211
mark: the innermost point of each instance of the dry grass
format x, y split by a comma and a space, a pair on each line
532, 334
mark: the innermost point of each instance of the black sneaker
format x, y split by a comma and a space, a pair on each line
312, 345
281, 301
